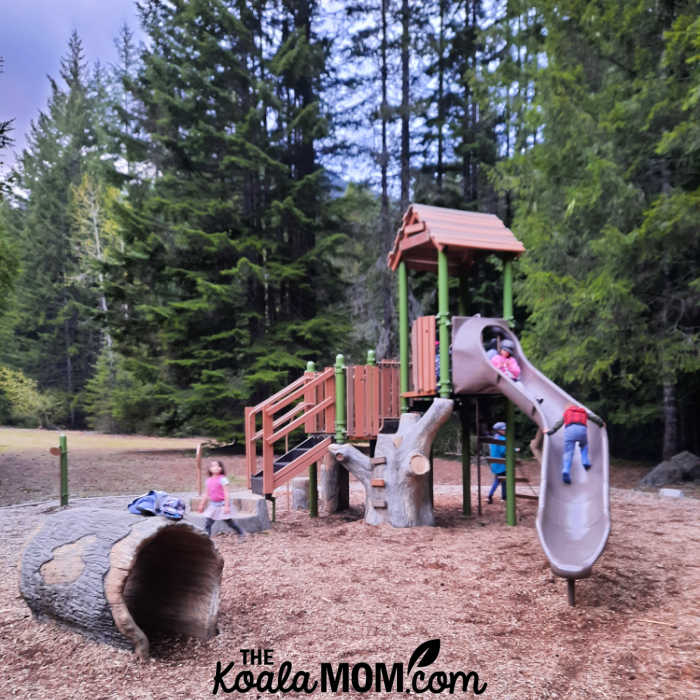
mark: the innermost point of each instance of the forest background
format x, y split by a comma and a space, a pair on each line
187, 228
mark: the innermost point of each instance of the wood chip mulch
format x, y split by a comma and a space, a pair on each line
334, 589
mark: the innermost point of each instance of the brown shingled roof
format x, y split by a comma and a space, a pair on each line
464, 234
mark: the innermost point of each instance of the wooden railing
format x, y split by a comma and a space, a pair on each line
372, 396
308, 403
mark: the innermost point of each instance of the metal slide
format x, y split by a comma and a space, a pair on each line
573, 521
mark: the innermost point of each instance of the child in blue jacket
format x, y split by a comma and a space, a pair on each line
499, 433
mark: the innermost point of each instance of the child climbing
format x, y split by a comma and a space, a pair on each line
217, 497
497, 468
575, 425
505, 362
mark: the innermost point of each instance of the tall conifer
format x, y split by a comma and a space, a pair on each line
224, 290
50, 332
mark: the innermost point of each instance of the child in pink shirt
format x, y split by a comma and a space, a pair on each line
217, 497
505, 362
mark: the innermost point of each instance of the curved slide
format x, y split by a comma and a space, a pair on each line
573, 521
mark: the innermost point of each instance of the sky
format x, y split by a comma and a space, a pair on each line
34, 36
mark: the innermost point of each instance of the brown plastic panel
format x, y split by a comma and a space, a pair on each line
573, 521
423, 356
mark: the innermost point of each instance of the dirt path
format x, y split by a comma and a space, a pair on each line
336, 590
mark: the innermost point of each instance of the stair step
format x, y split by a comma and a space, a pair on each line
256, 481
302, 448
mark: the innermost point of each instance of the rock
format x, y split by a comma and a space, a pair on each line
300, 493
685, 466
670, 493
248, 510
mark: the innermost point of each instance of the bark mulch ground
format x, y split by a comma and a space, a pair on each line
333, 589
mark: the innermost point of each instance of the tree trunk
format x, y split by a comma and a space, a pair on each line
405, 106
121, 578
397, 479
670, 409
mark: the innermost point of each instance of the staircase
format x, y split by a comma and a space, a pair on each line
307, 404
289, 465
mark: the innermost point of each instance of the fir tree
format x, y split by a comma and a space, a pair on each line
217, 298
610, 220
50, 335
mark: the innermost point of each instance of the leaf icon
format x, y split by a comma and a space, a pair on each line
428, 650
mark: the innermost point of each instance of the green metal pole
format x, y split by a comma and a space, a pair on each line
508, 291
466, 461
444, 325
313, 470
340, 424
403, 334
510, 410
510, 464
64, 469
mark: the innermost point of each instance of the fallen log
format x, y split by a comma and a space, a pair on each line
122, 579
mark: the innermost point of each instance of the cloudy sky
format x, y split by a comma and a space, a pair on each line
33, 37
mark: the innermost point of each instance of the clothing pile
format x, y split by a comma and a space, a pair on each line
158, 503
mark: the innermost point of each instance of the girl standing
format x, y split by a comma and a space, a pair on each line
217, 496
498, 468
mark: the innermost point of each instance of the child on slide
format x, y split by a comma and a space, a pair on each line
575, 425
505, 362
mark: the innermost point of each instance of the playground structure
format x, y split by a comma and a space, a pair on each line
362, 403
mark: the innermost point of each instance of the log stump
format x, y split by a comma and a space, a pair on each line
397, 479
122, 579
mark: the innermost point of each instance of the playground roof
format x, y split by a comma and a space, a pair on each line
461, 234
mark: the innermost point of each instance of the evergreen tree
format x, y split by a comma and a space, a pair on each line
50, 337
609, 214
225, 290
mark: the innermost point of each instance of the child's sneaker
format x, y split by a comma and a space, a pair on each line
586, 466
490, 500
566, 478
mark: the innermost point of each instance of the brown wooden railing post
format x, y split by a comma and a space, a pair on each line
268, 451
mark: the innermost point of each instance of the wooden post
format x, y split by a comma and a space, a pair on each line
64, 469
62, 453
198, 462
